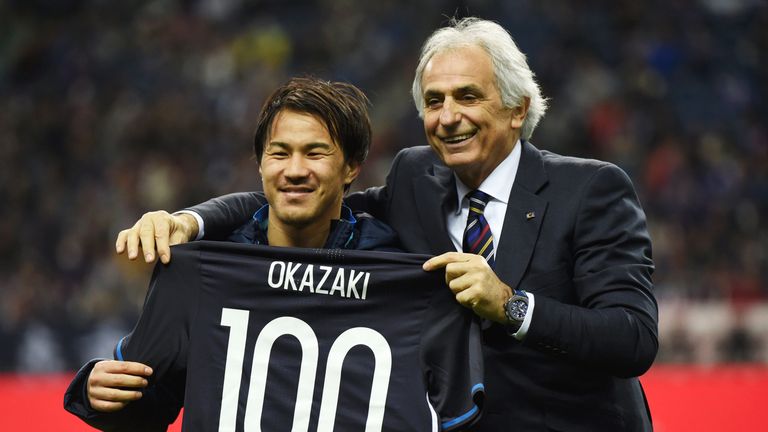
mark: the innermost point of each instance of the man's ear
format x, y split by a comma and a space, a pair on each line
519, 112
351, 171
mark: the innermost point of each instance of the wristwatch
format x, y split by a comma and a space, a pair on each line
515, 309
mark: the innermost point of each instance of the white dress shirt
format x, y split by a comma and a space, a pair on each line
200, 223
498, 186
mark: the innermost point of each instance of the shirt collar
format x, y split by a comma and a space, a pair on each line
261, 217
499, 183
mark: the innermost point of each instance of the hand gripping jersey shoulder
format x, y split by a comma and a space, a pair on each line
309, 340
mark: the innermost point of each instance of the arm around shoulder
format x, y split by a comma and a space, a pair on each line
224, 214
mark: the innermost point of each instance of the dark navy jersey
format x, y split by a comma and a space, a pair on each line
260, 338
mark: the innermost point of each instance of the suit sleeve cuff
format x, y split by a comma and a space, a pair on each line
76, 396
523, 330
200, 223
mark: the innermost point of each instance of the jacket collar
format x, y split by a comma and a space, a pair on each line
436, 192
523, 220
341, 235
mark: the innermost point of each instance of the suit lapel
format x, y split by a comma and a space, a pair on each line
524, 217
434, 193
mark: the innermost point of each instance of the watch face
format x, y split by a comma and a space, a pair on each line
517, 309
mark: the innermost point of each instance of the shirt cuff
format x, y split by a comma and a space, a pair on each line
200, 223
523, 330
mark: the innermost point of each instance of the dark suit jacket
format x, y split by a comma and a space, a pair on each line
575, 236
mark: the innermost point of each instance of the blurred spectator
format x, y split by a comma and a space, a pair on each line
108, 109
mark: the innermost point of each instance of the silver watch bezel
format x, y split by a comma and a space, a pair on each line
520, 297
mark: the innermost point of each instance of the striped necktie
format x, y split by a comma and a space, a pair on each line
478, 238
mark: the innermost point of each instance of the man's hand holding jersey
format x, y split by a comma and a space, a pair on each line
474, 283
156, 231
113, 384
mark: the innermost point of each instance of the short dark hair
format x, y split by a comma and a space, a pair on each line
341, 106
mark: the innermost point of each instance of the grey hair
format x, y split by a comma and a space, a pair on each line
514, 79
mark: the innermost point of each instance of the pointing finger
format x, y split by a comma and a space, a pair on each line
120, 243
443, 260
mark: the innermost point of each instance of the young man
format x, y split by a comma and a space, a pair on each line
311, 139
555, 253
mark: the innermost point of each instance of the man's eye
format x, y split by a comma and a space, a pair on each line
433, 102
470, 97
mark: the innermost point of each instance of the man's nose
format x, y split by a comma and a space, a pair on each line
296, 167
450, 113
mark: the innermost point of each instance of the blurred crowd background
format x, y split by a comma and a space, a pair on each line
110, 108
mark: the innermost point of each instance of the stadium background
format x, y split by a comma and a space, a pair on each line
109, 109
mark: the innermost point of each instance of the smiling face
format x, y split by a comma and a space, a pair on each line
464, 118
304, 173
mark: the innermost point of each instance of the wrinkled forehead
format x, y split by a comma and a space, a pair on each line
458, 67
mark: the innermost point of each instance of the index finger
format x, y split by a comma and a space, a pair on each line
147, 236
126, 367
443, 260
121, 241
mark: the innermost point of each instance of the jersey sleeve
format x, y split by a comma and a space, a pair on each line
452, 356
160, 340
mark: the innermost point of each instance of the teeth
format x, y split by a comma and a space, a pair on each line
458, 138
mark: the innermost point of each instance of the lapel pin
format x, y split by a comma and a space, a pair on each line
530, 215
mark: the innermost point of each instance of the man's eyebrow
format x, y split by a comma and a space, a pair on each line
469, 88
307, 146
279, 144
315, 145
